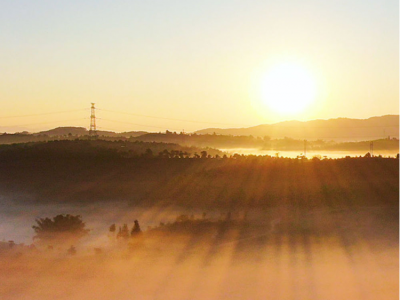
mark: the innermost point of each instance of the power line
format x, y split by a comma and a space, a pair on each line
272, 125
134, 124
58, 121
309, 137
170, 119
107, 129
42, 114
191, 121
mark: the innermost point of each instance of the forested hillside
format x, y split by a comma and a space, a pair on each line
60, 174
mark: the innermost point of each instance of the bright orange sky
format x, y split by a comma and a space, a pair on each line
192, 61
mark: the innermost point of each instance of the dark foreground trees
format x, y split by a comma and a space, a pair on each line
62, 229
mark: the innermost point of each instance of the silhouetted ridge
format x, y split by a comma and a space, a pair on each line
333, 129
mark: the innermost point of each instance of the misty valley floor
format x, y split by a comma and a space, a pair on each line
282, 268
300, 229
355, 258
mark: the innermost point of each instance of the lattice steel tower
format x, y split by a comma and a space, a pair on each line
92, 130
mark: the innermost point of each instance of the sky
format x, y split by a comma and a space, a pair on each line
189, 65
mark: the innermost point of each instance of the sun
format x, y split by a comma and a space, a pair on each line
288, 88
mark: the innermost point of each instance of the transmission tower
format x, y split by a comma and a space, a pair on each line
371, 148
92, 130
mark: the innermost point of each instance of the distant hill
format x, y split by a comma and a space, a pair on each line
132, 133
341, 129
64, 133
81, 131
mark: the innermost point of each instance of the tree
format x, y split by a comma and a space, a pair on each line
182, 218
136, 229
123, 232
165, 154
148, 153
61, 229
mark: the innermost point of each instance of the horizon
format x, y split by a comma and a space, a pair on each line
15, 130
171, 66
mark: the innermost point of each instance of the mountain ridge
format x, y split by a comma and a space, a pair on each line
335, 129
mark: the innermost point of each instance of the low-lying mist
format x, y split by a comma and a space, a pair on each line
242, 227
276, 253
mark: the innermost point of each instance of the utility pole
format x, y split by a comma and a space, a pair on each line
92, 130
371, 148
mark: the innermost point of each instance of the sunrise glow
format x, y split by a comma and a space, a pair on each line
288, 88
